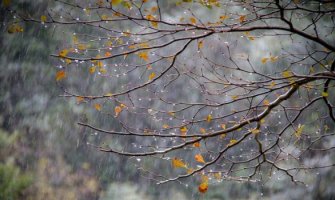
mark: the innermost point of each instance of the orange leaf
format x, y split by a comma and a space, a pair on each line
97, 106
60, 75
266, 102
117, 110
196, 144
63, 53
108, 54
203, 187
202, 130
178, 163
144, 55
242, 18
193, 20
223, 17
199, 158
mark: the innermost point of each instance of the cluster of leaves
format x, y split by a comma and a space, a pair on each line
192, 84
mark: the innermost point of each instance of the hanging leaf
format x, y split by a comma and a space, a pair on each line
299, 130
209, 118
223, 17
242, 18
165, 126
92, 69
14, 28
152, 76
183, 129
144, 55
273, 58
193, 20
255, 131
266, 102
6, 3
98, 106
178, 163
63, 53
203, 187
264, 60
117, 110
200, 44
287, 74
324, 94
43, 18
202, 130
80, 99
223, 126
60, 75
232, 142
199, 158
116, 2
196, 144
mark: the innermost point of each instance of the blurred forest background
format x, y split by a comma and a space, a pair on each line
44, 154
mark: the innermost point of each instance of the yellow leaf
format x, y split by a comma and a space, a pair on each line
43, 18
14, 28
108, 94
223, 126
274, 58
232, 142
223, 136
266, 102
202, 130
102, 70
200, 44
199, 158
264, 60
123, 106
115, 2
154, 9
92, 69
299, 130
104, 17
172, 113
60, 75
251, 37
287, 74
144, 55
152, 76
165, 126
193, 20
242, 18
218, 175
97, 106
68, 61
183, 129
235, 97
117, 110
262, 121
154, 24
272, 84
178, 163
209, 118
255, 131
63, 53
82, 47
324, 94
6, 3
203, 187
